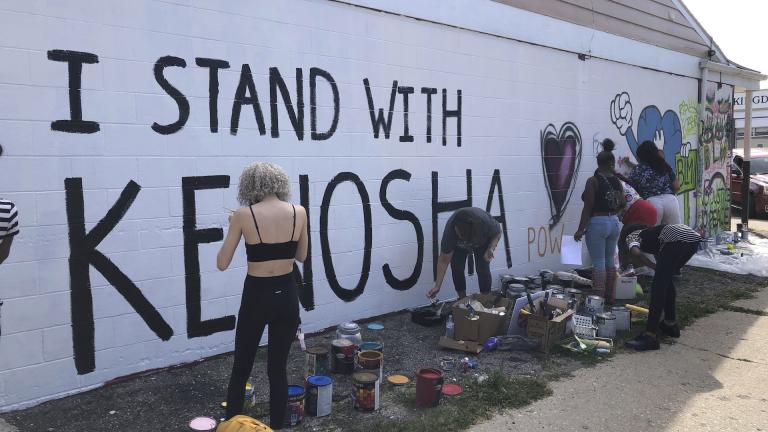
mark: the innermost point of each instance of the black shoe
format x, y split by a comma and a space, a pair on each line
671, 330
643, 342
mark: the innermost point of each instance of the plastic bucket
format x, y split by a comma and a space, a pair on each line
319, 395
429, 387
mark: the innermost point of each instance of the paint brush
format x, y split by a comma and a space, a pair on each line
530, 302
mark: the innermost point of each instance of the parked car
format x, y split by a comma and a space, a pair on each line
758, 181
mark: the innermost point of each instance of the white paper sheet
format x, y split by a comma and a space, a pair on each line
570, 253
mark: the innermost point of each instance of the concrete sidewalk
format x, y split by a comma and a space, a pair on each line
714, 378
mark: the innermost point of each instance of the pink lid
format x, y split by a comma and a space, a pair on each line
202, 424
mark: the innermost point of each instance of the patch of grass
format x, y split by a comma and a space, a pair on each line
478, 402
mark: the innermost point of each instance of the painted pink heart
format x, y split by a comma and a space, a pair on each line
561, 157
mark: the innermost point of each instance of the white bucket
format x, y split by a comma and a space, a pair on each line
622, 318
594, 304
606, 325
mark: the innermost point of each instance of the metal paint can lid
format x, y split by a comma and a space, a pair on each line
317, 350
364, 377
594, 297
606, 316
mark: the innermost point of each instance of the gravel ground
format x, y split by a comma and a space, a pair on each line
166, 400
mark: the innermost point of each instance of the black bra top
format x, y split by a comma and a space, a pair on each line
261, 252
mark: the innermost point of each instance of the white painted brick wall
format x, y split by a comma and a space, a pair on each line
510, 92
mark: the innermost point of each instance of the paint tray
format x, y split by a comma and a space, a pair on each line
583, 327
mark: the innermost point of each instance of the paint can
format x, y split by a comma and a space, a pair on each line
318, 361
319, 395
365, 394
622, 318
515, 291
250, 396
343, 351
429, 387
576, 295
556, 289
505, 280
372, 346
606, 325
294, 413
202, 424
594, 304
370, 361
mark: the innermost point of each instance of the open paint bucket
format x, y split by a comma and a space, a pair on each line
319, 396
365, 395
371, 361
429, 386
295, 412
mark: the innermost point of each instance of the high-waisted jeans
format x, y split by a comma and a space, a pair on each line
602, 237
266, 301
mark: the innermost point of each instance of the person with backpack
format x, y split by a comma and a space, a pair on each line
603, 200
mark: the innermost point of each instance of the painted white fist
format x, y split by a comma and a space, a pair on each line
685, 149
621, 112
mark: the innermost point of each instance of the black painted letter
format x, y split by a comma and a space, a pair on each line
192, 238
313, 74
341, 292
295, 114
246, 84
213, 87
305, 281
75, 60
452, 113
405, 91
82, 254
181, 100
398, 214
377, 119
429, 91
442, 207
501, 218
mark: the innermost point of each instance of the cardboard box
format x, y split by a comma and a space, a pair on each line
466, 346
548, 331
625, 287
487, 325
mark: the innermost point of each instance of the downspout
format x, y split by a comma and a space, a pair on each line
746, 197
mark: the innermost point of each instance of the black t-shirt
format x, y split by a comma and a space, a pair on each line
450, 240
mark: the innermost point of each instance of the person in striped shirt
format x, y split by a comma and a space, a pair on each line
673, 246
9, 227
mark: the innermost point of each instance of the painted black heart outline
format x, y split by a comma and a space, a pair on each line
560, 160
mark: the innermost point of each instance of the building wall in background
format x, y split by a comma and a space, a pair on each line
126, 127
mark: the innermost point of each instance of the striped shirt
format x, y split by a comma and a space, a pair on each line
9, 219
652, 240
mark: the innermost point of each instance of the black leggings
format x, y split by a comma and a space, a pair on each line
482, 268
669, 261
266, 301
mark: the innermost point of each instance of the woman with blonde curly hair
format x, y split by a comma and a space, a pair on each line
275, 234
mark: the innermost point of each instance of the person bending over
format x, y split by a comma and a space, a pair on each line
468, 230
673, 246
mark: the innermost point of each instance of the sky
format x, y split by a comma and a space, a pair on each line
739, 28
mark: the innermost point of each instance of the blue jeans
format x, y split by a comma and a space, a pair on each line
602, 236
